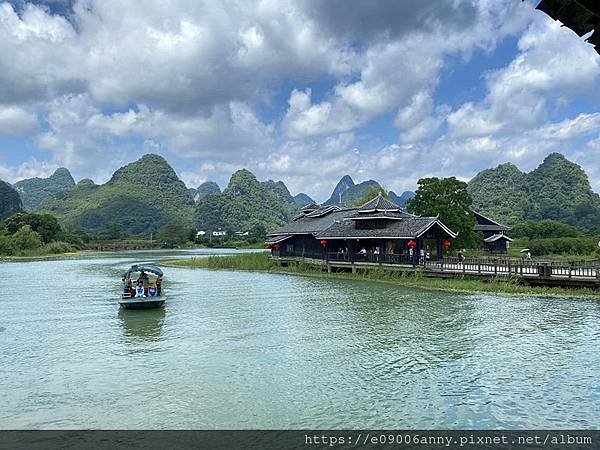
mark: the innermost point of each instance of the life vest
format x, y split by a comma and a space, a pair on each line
139, 291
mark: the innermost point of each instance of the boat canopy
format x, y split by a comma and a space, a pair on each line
150, 269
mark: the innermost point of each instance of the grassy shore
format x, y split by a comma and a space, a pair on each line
262, 262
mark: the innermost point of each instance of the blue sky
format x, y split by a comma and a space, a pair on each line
299, 91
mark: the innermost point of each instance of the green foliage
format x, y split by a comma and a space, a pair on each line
10, 202
7, 246
563, 246
258, 232
558, 190
543, 229
140, 198
34, 191
370, 193
500, 193
246, 203
57, 248
172, 235
44, 224
26, 239
449, 198
206, 188
303, 199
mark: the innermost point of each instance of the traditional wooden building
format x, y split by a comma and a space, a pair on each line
495, 239
379, 230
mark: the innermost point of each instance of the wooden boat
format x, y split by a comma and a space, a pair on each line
144, 294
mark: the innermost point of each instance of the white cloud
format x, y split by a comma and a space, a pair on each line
191, 80
15, 120
553, 66
29, 169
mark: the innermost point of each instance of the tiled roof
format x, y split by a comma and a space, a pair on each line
495, 237
407, 228
310, 207
386, 214
498, 227
481, 219
310, 225
379, 203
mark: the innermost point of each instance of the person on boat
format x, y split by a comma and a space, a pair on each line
139, 290
144, 279
152, 291
159, 280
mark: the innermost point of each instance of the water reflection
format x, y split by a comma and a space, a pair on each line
145, 324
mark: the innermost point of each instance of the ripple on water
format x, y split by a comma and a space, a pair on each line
252, 350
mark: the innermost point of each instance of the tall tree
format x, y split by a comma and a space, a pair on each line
449, 198
45, 225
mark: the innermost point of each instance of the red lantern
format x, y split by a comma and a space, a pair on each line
411, 244
276, 246
324, 243
446, 244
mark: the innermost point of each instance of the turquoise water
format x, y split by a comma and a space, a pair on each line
255, 350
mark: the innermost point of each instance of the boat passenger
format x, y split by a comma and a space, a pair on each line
144, 279
139, 290
152, 291
159, 283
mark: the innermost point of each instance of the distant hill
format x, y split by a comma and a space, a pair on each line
347, 192
34, 191
558, 189
206, 188
140, 198
402, 199
303, 199
10, 202
246, 203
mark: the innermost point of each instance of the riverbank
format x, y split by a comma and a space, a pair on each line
262, 262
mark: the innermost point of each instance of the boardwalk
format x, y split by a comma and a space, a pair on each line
547, 273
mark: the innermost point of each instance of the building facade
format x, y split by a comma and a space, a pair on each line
495, 239
378, 231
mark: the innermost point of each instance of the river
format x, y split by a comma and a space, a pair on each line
257, 350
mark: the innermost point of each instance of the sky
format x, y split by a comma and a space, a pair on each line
293, 90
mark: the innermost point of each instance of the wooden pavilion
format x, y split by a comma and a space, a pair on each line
379, 230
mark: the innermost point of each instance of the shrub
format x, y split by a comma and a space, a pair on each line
45, 225
26, 239
7, 247
57, 247
566, 246
544, 229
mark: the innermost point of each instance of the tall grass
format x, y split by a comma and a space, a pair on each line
263, 262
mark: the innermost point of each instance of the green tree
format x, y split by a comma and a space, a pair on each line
7, 246
449, 198
172, 235
45, 225
26, 239
371, 192
258, 231
544, 229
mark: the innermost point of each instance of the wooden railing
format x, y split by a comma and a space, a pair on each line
473, 266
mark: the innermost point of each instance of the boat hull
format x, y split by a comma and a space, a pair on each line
141, 304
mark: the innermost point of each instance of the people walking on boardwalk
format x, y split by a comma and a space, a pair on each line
461, 256
422, 256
